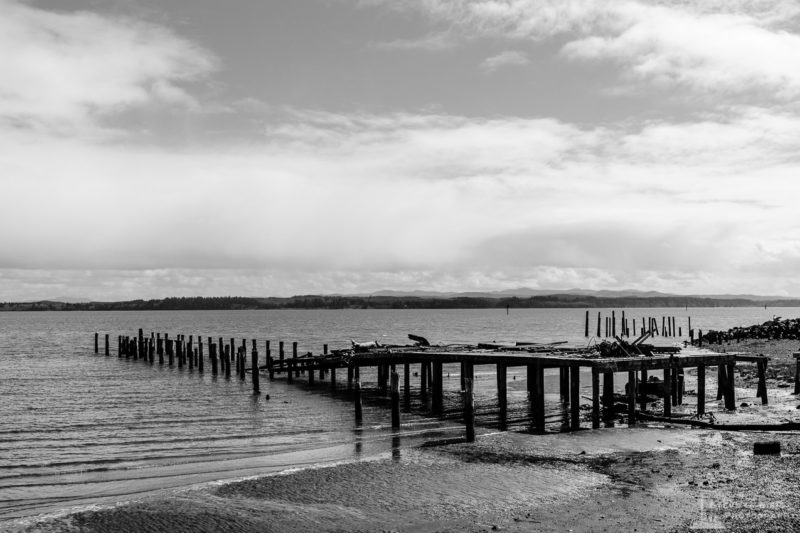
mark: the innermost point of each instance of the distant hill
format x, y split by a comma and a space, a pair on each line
526, 292
566, 299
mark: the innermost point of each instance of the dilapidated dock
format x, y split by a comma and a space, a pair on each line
651, 373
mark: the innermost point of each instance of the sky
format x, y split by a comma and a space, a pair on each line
154, 148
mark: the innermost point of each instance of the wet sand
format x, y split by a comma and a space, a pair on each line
622, 479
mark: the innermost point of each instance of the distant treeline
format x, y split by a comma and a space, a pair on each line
393, 302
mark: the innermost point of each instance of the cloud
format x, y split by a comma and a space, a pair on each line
508, 58
335, 201
70, 70
717, 49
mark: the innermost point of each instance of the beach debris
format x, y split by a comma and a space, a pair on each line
771, 447
364, 346
421, 341
776, 328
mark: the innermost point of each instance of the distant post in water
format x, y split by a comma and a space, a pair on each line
96, 342
586, 332
256, 389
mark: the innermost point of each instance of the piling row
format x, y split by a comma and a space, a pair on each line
231, 361
626, 326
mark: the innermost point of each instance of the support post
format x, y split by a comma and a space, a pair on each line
423, 379
469, 409
502, 399
796, 356
730, 389
563, 384
643, 389
574, 396
538, 396
631, 398
595, 398
357, 400
407, 382
438, 393
701, 388
762, 381
395, 386
667, 391
608, 395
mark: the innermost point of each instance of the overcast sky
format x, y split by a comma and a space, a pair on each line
151, 148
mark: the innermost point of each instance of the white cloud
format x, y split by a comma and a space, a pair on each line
71, 69
715, 48
331, 202
507, 58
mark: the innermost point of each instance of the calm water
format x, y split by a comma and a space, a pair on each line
80, 429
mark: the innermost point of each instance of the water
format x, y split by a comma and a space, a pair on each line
80, 429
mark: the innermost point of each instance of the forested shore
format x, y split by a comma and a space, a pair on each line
393, 302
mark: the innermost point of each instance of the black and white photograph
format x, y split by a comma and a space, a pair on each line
399, 266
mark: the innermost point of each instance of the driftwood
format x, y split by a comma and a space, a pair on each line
422, 341
788, 426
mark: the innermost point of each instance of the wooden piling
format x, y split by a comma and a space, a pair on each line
107, 350
333, 377
586, 333
96, 342
613, 324
212, 353
502, 398
254, 369
395, 385
720, 381
357, 400
631, 398
608, 395
642, 395
598, 324
762, 382
469, 410
538, 396
438, 387
423, 379
796, 356
407, 382
294, 357
701, 388
595, 398
227, 361
200, 354
269, 360
730, 389
667, 391
574, 396
563, 384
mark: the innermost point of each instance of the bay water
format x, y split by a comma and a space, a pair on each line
80, 430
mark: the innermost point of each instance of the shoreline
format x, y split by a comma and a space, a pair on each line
656, 478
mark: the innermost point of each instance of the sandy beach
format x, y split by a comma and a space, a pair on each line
657, 478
